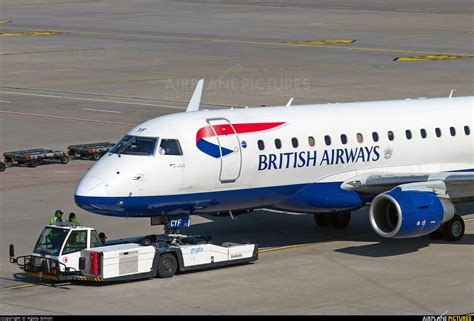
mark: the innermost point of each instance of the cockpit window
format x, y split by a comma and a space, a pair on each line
135, 145
170, 147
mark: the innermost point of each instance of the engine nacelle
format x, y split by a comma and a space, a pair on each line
409, 213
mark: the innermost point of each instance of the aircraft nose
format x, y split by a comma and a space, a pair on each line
91, 186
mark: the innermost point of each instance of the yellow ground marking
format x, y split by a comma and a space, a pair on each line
4, 21
22, 286
469, 220
292, 246
320, 42
31, 33
431, 57
249, 42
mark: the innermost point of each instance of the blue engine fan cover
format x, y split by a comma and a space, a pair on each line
405, 214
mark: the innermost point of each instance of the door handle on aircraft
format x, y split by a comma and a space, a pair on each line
177, 165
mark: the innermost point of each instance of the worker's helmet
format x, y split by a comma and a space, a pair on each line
58, 213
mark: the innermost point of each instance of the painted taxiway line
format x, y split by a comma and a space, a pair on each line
7, 112
21, 286
243, 42
102, 110
90, 99
292, 246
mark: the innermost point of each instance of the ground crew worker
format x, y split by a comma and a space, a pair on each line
57, 218
73, 218
102, 237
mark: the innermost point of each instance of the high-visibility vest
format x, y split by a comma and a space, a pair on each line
53, 220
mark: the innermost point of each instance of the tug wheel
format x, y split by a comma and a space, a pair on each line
167, 265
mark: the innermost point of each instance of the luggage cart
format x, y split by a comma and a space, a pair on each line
33, 157
92, 151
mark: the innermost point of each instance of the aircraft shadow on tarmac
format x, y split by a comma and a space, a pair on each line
269, 230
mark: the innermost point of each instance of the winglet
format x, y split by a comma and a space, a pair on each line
288, 104
196, 98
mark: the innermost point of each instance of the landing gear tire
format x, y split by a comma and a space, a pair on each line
454, 229
323, 219
438, 234
342, 219
64, 159
167, 266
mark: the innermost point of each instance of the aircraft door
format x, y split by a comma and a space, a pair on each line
229, 147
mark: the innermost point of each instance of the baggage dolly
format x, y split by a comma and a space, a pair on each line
92, 151
33, 158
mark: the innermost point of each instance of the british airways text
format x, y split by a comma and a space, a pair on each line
315, 158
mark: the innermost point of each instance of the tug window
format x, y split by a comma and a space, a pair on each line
467, 130
343, 139
408, 134
261, 145
438, 132
390, 135
76, 242
423, 133
294, 142
375, 136
360, 138
327, 140
311, 141
170, 147
452, 130
277, 143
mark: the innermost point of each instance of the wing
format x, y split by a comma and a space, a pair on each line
458, 186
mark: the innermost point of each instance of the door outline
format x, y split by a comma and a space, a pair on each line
220, 149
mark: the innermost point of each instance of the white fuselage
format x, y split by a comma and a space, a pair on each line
320, 144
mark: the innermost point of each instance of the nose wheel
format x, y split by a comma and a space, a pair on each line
337, 220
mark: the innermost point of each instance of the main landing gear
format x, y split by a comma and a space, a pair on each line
452, 230
337, 220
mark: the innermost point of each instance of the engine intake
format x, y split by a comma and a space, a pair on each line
408, 213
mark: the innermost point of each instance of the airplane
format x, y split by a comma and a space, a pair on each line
409, 161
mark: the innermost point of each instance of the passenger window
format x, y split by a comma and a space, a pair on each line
408, 134
423, 133
390, 135
311, 141
343, 139
452, 130
170, 147
77, 241
327, 140
277, 143
467, 130
438, 132
360, 138
375, 136
294, 142
261, 145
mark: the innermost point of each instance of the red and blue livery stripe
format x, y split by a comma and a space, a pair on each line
218, 130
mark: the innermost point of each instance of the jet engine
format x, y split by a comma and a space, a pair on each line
402, 213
